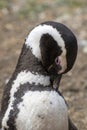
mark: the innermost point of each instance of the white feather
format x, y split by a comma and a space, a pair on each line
44, 110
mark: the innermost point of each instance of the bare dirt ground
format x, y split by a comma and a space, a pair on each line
13, 31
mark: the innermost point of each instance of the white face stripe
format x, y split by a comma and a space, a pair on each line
33, 39
44, 110
22, 78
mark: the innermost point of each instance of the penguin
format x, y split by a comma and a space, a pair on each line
31, 99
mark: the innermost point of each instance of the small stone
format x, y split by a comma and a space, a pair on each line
9, 26
85, 50
5, 11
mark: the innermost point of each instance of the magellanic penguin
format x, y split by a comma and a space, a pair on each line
30, 100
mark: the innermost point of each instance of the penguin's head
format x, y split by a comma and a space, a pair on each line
54, 45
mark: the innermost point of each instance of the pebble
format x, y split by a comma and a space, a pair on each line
85, 50
83, 44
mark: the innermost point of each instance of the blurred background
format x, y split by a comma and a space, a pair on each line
18, 17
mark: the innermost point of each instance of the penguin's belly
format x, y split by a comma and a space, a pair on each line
45, 110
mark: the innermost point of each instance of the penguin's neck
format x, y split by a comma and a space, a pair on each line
30, 69
27, 61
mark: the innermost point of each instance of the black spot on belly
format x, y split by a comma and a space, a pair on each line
51, 102
41, 116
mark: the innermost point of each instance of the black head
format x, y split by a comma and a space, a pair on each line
54, 45
50, 52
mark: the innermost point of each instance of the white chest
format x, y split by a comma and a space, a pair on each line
44, 110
